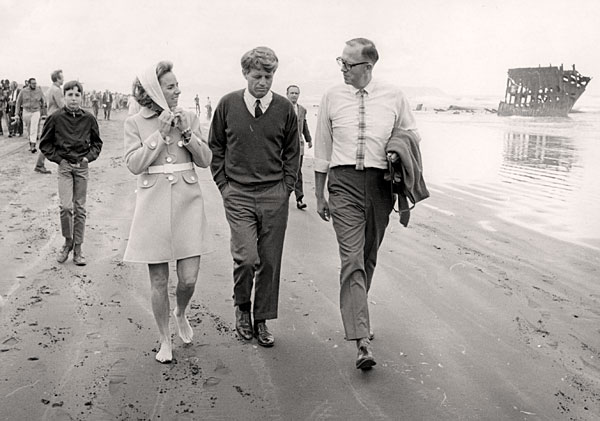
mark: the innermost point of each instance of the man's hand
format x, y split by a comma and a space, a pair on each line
392, 157
309, 144
323, 209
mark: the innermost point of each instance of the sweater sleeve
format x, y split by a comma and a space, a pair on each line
217, 141
140, 153
290, 154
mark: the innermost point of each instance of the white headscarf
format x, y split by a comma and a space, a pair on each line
151, 84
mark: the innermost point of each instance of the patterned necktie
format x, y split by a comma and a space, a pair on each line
360, 147
257, 110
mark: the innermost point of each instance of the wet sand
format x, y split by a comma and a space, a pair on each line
475, 318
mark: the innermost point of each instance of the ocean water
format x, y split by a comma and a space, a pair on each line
540, 173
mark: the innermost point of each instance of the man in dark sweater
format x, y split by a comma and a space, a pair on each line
254, 141
71, 139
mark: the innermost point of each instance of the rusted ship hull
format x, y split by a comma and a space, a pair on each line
542, 91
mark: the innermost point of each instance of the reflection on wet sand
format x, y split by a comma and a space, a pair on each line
541, 161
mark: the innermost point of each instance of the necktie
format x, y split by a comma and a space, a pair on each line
360, 147
257, 110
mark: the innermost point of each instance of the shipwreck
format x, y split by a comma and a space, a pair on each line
542, 91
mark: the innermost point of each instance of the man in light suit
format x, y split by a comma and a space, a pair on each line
293, 93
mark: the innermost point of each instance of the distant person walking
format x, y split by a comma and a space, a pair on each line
4, 93
197, 102
163, 142
254, 140
71, 139
132, 105
11, 107
33, 102
95, 100
107, 103
354, 124
208, 107
293, 93
56, 101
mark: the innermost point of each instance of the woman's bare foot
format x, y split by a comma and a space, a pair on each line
186, 333
165, 354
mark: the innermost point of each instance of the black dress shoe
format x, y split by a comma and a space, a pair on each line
300, 205
243, 324
264, 337
42, 170
364, 360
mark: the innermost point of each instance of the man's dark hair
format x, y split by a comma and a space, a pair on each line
72, 84
30, 79
369, 50
259, 58
292, 86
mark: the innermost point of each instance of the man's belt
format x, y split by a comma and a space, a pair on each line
170, 168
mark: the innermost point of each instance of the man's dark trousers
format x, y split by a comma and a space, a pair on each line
298, 188
360, 203
257, 217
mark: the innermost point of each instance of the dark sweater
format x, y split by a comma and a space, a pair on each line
71, 135
250, 150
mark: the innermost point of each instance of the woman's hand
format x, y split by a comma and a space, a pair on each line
182, 121
164, 122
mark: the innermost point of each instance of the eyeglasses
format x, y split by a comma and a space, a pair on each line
344, 65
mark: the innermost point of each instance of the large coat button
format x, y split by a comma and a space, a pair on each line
169, 159
171, 178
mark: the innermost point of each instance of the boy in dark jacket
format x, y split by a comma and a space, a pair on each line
71, 138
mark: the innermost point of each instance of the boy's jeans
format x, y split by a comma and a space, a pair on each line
72, 193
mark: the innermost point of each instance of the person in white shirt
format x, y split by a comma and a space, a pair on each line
355, 121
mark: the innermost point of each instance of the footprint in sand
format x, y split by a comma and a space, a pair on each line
221, 368
211, 382
115, 382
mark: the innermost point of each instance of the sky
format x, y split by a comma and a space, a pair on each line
462, 47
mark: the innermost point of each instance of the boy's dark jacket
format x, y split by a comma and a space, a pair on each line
71, 135
406, 173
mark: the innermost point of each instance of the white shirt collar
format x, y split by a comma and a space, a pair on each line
368, 89
250, 101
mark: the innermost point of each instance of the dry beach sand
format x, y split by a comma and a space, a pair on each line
475, 318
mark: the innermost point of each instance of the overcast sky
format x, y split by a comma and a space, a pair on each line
459, 46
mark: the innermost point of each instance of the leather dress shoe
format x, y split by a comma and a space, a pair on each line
264, 337
364, 359
79, 258
243, 324
42, 170
300, 205
63, 254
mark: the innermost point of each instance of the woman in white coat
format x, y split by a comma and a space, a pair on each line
162, 144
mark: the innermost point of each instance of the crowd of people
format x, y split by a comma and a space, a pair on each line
14, 113
366, 155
